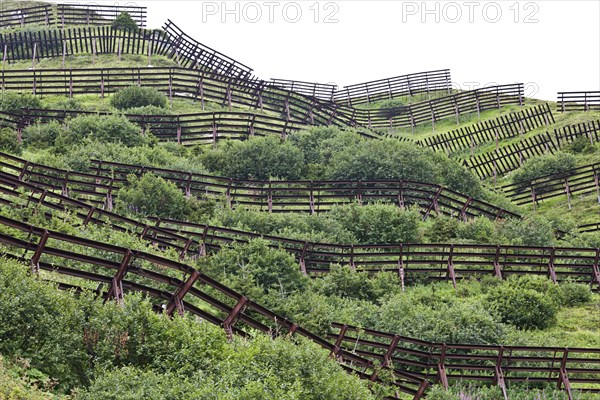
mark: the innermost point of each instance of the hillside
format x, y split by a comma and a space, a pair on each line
172, 226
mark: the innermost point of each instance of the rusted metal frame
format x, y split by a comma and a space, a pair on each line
311, 198
116, 289
499, 374
551, 270
401, 194
337, 347
387, 358
35, 259
497, 266
401, 272
215, 133
303, 258
564, 376
596, 269
434, 203
463, 210
234, 315
451, 274
176, 302
441, 368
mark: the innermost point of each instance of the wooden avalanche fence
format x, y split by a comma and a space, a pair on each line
312, 196
391, 88
180, 288
411, 262
176, 82
21, 14
320, 91
103, 184
432, 111
578, 101
56, 43
511, 157
187, 129
504, 127
200, 85
25, 15
568, 368
579, 181
193, 54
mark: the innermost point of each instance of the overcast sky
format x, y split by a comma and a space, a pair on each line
548, 45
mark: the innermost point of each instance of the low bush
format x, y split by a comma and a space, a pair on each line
8, 141
544, 165
108, 128
258, 158
151, 195
41, 136
525, 302
138, 96
13, 102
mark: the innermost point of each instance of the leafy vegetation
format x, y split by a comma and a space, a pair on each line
125, 22
138, 96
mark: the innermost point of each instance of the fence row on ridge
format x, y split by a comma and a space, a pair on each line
19, 15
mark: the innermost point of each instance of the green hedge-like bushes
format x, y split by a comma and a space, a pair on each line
138, 96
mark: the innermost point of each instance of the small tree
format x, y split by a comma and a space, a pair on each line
125, 22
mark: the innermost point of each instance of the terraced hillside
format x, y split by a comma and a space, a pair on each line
216, 235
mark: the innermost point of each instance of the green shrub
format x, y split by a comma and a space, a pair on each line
438, 317
12, 102
257, 158
391, 108
442, 229
107, 128
544, 165
151, 195
319, 144
574, 294
581, 145
387, 159
41, 136
8, 141
527, 232
478, 230
138, 96
521, 303
255, 269
379, 223
125, 22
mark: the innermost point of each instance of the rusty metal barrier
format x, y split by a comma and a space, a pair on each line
568, 368
174, 286
101, 186
411, 262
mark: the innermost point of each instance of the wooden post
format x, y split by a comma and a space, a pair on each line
119, 51
4, 57
94, 52
64, 54
34, 54
171, 88
149, 54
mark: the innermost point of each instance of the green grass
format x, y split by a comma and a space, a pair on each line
101, 61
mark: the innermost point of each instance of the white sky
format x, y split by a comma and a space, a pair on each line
549, 45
